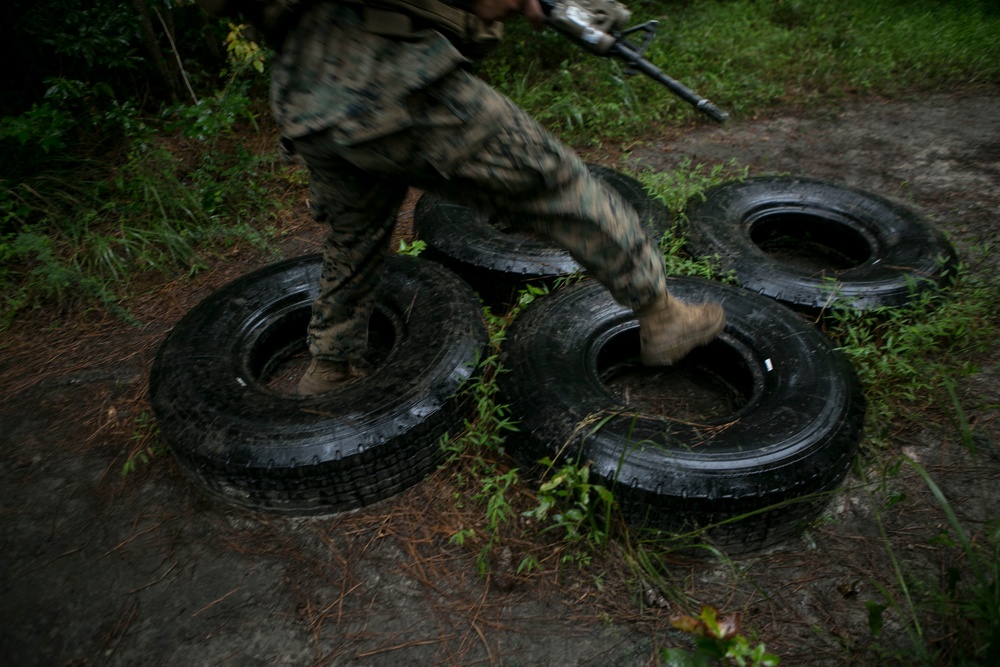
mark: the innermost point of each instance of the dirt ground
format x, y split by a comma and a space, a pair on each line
98, 568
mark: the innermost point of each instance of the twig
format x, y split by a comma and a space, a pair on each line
486, 645
153, 583
415, 642
215, 602
177, 56
129, 539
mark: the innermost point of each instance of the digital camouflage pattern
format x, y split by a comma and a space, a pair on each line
333, 74
371, 116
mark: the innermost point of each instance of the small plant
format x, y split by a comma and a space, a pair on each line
213, 116
481, 443
493, 493
148, 445
674, 188
571, 279
243, 53
487, 430
528, 564
44, 126
411, 249
568, 501
718, 641
677, 186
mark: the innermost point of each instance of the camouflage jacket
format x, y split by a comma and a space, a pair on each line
333, 74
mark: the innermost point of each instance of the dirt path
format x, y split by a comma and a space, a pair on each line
101, 569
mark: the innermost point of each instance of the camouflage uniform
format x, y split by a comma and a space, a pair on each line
373, 115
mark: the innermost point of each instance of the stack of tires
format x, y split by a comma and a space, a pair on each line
747, 435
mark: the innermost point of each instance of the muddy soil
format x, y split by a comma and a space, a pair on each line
98, 568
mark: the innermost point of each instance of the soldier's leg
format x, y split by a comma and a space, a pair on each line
519, 170
360, 210
473, 146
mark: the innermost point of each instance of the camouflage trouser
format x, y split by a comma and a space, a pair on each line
472, 146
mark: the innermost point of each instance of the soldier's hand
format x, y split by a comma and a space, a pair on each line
501, 10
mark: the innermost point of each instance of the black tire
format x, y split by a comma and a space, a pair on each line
790, 419
498, 263
279, 452
815, 245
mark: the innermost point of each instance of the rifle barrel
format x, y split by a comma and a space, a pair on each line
637, 62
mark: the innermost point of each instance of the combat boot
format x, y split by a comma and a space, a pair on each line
324, 375
669, 329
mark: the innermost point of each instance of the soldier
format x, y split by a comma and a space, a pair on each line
375, 102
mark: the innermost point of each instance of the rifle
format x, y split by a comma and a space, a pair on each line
599, 27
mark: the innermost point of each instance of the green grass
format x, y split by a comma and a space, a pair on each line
80, 235
77, 239
949, 617
96, 195
750, 56
908, 358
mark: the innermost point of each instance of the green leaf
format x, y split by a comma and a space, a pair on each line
679, 657
875, 620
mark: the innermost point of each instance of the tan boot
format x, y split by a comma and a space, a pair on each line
323, 376
669, 329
